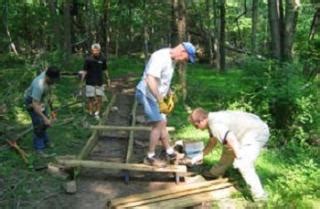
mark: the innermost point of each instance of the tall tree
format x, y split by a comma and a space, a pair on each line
179, 7
291, 18
106, 7
55, 39
67, 29
222, 10
315, 23
282, 26
255, 16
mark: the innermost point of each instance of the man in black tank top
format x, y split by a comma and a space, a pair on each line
94, 67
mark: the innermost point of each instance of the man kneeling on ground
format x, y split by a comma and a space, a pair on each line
243, 135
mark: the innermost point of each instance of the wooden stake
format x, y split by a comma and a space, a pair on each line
92, 141
131, 134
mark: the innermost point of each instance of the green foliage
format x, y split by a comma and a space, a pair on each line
10, 60
280, 94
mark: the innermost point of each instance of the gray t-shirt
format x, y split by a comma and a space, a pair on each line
38, 89
240, 123
161, 66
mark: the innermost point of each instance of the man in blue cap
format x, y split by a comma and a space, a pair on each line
153, 88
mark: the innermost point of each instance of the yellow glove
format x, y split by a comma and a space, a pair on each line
170, 102
163, 106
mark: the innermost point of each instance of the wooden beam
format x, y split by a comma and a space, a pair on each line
190, 200
131, 134
181, 194
161, 193
92, 141
125, 128
122, 166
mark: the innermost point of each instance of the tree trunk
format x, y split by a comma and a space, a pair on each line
274, 21
67, 29
222, 35
55, 40
145, 32
11, 44
315, 24
209, 34
106, 6
255, 16
173, 35
216, 44
180, 16
292, 11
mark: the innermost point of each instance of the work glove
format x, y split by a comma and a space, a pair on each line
163, 107
170, 102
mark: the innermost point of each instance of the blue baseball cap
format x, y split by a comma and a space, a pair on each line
191, 50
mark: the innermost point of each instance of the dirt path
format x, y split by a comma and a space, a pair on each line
96, 186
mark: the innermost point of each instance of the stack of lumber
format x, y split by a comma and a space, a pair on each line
186, 195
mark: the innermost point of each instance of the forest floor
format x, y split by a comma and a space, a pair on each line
94, 186
289, 175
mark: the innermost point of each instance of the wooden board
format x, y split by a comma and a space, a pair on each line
125, 128
122, 166
179, 196
92, 141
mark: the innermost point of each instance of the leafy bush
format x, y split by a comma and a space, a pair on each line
280, 94
11, 60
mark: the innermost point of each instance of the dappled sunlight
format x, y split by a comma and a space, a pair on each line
22, 116
105, 189
191, 133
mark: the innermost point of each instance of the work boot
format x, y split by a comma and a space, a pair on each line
208, 175
50, 145
41, 153
97, 115
153, 161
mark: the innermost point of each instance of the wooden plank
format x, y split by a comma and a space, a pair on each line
131, 134
190, 200
92, 141
174, 196
126, 128
167, 192
122, 166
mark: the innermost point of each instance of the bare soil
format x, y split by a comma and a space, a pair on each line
96, 186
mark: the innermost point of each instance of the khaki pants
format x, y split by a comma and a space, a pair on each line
224, 163
250, 152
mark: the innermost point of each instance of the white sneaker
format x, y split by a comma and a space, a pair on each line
261, 197
96, 115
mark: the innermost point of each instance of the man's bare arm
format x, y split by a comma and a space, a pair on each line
209, 147
233, 143
153, 86
38, 109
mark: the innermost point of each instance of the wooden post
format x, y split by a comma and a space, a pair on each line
92, 141
131, 135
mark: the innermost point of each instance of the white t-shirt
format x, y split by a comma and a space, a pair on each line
239, 123
161, 66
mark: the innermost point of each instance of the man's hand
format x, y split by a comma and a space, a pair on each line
47, 122
170, 102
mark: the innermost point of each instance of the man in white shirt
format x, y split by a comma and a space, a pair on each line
153, 88
243, 136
